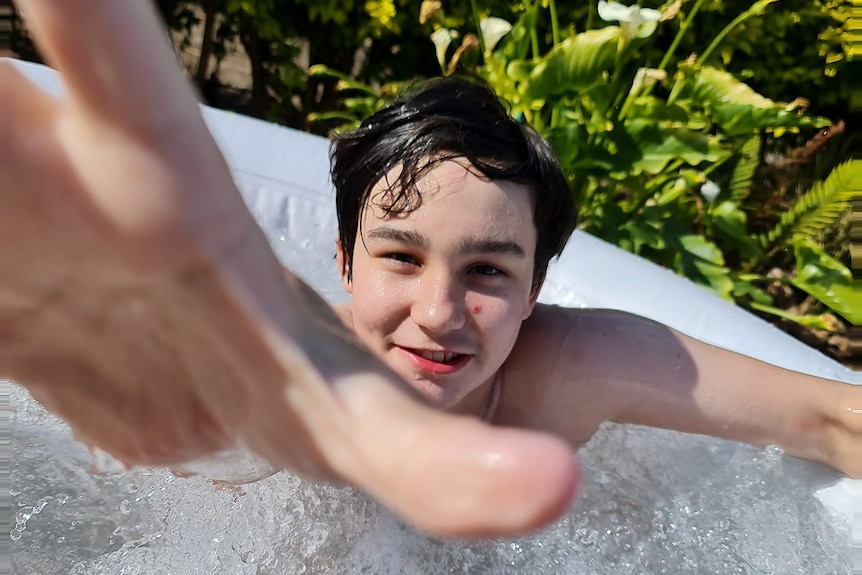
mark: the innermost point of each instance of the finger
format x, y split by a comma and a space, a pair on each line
26, 118
455, 476
116, 60
24, 111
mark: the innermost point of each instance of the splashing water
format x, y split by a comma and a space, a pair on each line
653, 502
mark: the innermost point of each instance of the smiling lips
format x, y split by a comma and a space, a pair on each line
436, 362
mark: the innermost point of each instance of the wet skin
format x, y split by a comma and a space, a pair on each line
439, 294
454, 278
143, 305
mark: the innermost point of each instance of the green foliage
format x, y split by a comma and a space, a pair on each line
640, 163
826, 279
746, 167
661, 138
794, 50
819, 208
646, 151
369, 40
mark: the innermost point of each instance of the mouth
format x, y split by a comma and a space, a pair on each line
436, 362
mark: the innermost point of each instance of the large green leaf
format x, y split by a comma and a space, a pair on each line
658, 109
643, 233
744, 288
660, 144
827, 279
574, 64
732, 224
609, 153
736, 107
702, 261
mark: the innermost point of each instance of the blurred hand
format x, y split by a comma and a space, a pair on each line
141, 303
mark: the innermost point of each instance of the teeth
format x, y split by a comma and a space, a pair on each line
437, 356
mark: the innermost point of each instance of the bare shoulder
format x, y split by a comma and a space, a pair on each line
550, 327
572, 369
589, 330
560, 344
553, 379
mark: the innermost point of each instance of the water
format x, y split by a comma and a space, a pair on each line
654, 502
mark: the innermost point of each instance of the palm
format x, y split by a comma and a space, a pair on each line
142, 304
110, 249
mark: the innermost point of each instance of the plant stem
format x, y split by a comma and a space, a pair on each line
747, 15
674, 91
555, 25
534, 35
683, 28
481, 36
714, 165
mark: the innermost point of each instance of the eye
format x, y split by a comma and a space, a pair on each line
401, 257
487, 270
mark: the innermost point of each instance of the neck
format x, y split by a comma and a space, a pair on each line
482, 401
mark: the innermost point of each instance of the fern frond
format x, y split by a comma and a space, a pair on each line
740, 181
818, 208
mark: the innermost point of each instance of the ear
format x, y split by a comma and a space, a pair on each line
341, 260
534, 295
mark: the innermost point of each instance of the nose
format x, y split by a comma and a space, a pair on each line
438, 305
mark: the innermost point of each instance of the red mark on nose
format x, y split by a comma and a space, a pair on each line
476, 309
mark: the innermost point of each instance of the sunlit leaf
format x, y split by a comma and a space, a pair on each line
574, 64
736, 107
710, 191
827, 279
746, 289
701, 257
815, 321
660, 144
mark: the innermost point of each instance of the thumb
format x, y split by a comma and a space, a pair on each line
453, 475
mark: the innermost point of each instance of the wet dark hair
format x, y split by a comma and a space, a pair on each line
442, 119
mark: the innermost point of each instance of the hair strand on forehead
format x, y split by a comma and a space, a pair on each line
444, 119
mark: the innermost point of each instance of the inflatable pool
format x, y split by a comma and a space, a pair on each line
653, 501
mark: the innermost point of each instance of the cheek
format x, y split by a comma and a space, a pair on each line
377, 301
500, 309
498, 318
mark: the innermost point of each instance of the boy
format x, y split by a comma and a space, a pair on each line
143, 305
449, 212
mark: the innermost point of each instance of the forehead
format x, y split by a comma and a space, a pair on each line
454, 193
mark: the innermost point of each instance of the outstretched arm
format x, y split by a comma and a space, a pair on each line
141, 303
622, 367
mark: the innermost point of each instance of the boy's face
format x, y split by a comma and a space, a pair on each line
440, 293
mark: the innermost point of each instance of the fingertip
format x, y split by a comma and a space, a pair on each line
528, 481
457, 477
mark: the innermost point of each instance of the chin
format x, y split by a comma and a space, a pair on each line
434, 394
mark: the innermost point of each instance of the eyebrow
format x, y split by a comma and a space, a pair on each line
402, 236
469, 246
488, 246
